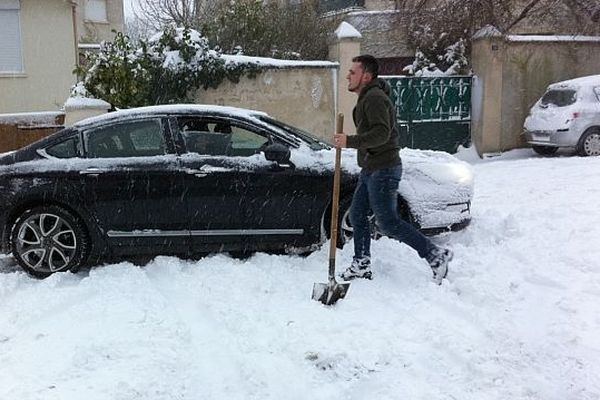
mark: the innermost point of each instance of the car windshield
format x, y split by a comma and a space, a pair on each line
306, 137
559, 98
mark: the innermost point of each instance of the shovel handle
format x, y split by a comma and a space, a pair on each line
335, 200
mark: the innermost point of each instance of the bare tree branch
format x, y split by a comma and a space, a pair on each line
524, 14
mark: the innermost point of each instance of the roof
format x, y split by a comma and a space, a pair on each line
383, 33
552, 38
591, 80
347, 31
170, 109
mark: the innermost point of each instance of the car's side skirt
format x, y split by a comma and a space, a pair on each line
220, 232
245, 232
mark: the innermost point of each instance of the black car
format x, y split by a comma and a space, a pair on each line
177, 180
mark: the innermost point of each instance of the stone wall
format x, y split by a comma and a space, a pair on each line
513, 72
19, 130
300, 94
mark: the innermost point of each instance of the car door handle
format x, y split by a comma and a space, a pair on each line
92, 171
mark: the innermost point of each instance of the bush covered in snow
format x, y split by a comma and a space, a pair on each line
452, 62
165, 69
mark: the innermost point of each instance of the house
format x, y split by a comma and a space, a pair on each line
96, 19
382, 28
39, 48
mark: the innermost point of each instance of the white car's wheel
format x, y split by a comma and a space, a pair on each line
589, 144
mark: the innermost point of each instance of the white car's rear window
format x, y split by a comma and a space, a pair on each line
559, 98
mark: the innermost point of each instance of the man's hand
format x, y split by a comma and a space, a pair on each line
340, 140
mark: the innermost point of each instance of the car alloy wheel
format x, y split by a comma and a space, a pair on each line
591, 144
46, 240
347, 230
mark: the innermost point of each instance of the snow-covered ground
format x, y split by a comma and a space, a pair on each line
519, 317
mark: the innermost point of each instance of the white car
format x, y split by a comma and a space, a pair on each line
567, 115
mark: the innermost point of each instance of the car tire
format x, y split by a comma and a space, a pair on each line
589, 143
344, 226
345, 230
49, 239
545, 150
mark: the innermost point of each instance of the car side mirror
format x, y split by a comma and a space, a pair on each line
278, 153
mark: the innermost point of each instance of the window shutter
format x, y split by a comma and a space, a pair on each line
9, 5
10, 37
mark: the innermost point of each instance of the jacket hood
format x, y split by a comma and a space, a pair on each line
378, 83
385, 86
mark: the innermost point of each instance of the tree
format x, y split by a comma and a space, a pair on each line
187, 13
137, 28
435, 26
272, 29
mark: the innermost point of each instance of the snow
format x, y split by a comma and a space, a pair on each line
590, 80
76, 103
88, 46
275, 63
518, 318
374, 12
347, 31
487, 31
171, 108
548, 119
492, 31
552, 38
46, 118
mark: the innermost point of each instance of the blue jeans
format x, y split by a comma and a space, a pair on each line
378, 191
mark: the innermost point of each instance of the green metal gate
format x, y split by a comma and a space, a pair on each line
434, 112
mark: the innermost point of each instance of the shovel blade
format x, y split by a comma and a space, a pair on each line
330, 293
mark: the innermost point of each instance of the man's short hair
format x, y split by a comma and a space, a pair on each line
369, 64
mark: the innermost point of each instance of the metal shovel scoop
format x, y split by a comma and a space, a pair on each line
329, 293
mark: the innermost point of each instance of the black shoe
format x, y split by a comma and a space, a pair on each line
438, 260
360, 268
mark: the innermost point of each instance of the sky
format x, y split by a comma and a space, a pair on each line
128, 7
518, 317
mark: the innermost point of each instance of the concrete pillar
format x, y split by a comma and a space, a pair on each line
487, 57
344, 46
78, 108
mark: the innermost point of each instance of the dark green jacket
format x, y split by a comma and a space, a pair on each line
376, 136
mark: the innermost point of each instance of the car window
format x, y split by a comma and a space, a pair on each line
219, 138
66, 149
309, 139
246, 143
130, 139
559, 98
597, 92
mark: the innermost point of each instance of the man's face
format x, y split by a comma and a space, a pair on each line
357, 77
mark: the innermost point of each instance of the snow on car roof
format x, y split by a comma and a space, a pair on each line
591, 80
172, 109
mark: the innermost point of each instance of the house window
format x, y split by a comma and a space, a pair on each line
95, 10
10, 37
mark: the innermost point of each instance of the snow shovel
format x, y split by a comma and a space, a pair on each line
329, 293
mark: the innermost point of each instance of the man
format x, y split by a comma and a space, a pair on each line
381, 168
